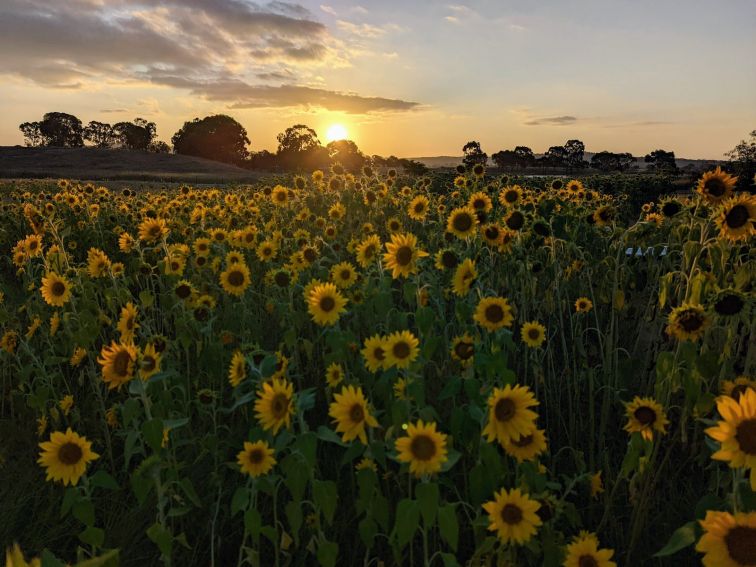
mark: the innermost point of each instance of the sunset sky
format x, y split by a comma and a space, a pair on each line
409, 78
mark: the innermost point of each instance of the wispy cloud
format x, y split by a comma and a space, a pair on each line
328, 9
551, 121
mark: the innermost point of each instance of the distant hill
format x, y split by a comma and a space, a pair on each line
110, 164
453, 161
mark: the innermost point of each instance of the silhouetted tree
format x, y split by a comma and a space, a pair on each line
101, 134
262, 160
414, 167
574, 152
347, 154
300, 148
555, 156
743, 161
505, 158
525, 156
661, 160
219, 137
55, 129
159, 147
473, 154
609, 161
137, 135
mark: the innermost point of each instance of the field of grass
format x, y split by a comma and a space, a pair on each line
378, 370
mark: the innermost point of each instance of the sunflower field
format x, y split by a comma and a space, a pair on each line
364, 370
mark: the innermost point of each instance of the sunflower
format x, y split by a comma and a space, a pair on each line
737, 218
597, 484
279, 196
732, 303
118, 362
14, 557
515, 220
374, 353
584, 552
687, 322
65, 456
368, 250
418, 208
446, 259
97, 263
402, 254
350, 412
266, 250
583, 305
736, 388
202, 246
127, 323
464, 277
463, 349
533, 334
480, 202
736, 433
728, 540
423, 448
604, 215
508, 415
56, 290
151, 230
512, 514
493, 313
149, 362
716, 186
275, 404
645, 415
235, 279
510, 196
343, 275
527, 447
401, 349
334, 374
462, 222
237, 371
325, 304
256, 459
493, 234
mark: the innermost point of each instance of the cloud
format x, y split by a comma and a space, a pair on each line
551, 121
201, 46
328, 9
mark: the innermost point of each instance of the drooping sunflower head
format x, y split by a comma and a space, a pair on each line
731, 302
127, 323
513, 516
644, 416
716, 186
687, 322
424, 448
237, 371
463, 349
464, 277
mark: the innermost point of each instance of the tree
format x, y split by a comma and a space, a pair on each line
300, 148
347, 154
609, 161
473, 154
261, 160
555, 156
661, 160
137, 135
101, 134
219, 137
159, 147
55, 129
505, 158
743, 161
414, 167
525, 156
574, 152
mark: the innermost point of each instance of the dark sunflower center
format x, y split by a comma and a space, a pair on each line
130, 324
419, 207
690, 320
404, 256
511, 514
70, 453
746, 436
282, 279
121, 363
357, 413
346, 275
605, 214
715, 187
256, 456
183, 291
279, 405
523, 441
155, 231
401, 350
730, 304
533, 334
670, 209
492, 233
504, 410
737, 216
464, 350
494, 313
58, 288
281, 196
235, 278
587, 561
423, 448
149, 363
479, 204
741, 545
511, 196
645, 415
327, 303
515, 220
462, 222
379, 353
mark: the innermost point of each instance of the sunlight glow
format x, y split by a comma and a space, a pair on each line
336, 132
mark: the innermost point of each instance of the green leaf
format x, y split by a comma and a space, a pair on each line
368, 530
253, 523
71, 495
48, 559
297, 474
427, 498
161, 537
407, 521
84, 511
325, 495
190, 492
449, 560
328, 552
102, 479
294, 515
448, 525
307, 444
268, 365
329, 435
92, 536
152, 431
681, 538
239, 500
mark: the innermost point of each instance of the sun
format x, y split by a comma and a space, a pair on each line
336, 132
